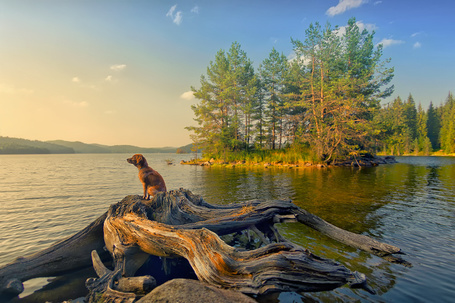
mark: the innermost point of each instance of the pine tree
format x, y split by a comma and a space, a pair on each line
410, 113
341, 88
227, 97
242, 89
447, 134
433, 126
273, 75
422, 132
399, 134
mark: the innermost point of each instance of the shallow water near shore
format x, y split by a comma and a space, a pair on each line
411, 204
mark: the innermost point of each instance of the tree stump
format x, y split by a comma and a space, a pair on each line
179, 224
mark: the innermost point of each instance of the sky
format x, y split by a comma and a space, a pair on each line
120, 71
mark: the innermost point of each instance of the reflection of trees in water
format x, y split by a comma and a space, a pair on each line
402, 203
345, 197
224, 185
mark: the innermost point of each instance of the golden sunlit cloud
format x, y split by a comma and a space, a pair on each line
189, 95
118, 67
76, 80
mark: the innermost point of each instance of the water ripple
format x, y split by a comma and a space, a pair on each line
411, 204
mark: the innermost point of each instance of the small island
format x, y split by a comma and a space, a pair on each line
322, 107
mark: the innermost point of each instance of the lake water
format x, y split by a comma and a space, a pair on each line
411, 204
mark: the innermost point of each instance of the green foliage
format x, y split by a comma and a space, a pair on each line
447, 133
227, 99
407, 130
433, 126
325, 98
274, 75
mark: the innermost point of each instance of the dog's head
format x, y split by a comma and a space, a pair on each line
137, 160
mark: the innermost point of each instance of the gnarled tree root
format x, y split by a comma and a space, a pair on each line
179, 223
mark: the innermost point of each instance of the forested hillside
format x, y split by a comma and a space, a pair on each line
409, 129
22, 146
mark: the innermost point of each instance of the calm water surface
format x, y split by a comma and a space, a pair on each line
44, 198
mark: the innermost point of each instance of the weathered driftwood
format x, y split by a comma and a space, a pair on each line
179, 223
64, 256
112, 286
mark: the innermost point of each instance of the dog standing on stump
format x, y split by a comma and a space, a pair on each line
151, 180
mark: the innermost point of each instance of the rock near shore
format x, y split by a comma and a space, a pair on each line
193, 291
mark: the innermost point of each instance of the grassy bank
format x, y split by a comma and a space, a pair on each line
438, 153
271, 157
287, 158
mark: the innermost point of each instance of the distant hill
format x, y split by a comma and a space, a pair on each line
80, 147
23, 146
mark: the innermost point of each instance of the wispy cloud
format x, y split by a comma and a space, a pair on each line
189, 95
76, 80
417, 34
118, 67
177, 17
417, 45
344, 5
170, 13
110, 79
389, 42
195, 10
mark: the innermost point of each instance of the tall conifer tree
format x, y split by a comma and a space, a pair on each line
433, 126
273, 75
447, 135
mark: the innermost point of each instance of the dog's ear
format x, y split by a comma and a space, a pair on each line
139, 158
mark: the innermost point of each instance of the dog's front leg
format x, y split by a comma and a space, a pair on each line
145, 191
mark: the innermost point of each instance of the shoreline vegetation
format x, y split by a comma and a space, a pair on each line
351, 162
288, 160
325, 102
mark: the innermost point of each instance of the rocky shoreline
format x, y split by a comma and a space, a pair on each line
352, 162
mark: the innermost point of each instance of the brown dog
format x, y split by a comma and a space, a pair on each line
150, 178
